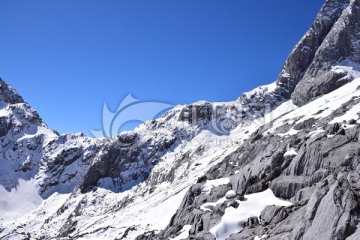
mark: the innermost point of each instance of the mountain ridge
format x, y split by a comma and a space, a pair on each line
189, 173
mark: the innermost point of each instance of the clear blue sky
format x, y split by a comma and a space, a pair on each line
68, 57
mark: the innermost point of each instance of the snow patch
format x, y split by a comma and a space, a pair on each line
291, 152
313, 134
260, 90
210, 184
230, 194
260, 238
208, 207
319, 108
347, 67
291, 132
234, 219
4, 112
184, 233
19, 201
352, 113
106, 234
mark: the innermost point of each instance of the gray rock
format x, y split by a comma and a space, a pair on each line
337, 45
252, 222
8, 94
233, 204
304, 53
273, 214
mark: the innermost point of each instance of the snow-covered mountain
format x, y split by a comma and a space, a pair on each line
280, 162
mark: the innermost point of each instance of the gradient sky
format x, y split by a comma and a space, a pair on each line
68, 57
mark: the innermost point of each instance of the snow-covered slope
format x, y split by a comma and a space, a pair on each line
259, 167
108, 188
300, 156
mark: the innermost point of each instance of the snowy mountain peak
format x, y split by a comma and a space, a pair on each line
8, 95
255, 168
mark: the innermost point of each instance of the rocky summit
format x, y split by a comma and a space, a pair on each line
280, 162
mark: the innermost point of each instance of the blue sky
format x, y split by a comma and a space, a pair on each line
68, 57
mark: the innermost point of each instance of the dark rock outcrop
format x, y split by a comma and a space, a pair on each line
8, 94
338, 30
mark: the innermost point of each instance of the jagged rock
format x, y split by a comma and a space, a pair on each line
333, 128
305, 124
304, 53
5, 126
197, 112
352, 133
351, 121
252, 222
8, 94
273, 214
286, 187
127, 138
337, 45
233, 204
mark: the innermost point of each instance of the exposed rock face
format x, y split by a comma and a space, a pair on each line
304, 52
310, 71
324, 59
30, 150
339, 47
16, 120
318, 180
319, 176
8, 94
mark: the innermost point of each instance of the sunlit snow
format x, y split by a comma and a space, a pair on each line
19, 201
234, 218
